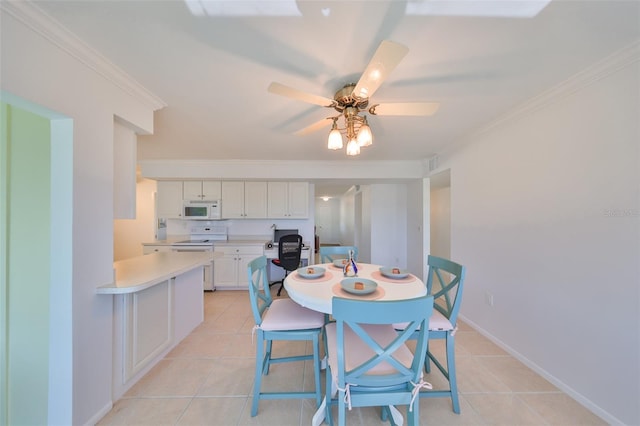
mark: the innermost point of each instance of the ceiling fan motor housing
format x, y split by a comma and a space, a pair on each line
345, 98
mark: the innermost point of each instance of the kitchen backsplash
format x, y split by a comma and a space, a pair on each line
244, 227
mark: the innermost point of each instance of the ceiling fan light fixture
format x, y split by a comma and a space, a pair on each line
352, 101
365, 137
353, 148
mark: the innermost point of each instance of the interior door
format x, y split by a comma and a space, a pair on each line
325, 222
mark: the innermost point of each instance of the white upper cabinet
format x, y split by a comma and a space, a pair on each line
240, 199
202, 190
169, 199
288, 200
298, 200
244, 200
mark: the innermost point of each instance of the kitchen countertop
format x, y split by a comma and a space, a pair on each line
241, 242
232, 241
168, 241
139, 273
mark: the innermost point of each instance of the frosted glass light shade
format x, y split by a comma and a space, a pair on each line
353, 148
365, 137
335, 140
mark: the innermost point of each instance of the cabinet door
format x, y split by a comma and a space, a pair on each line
255, 200
232, 200
277, 199
192, 190
243, 264
298, 198
169, 199
202, 190
225, 270
211, 190
245, 255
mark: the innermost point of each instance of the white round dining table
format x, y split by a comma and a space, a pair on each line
317, 293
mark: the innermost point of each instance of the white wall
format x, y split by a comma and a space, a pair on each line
545, 215
129, 234
124, 170
363, 225
441, 222
388, 210
347, 218
417, 207
39, 70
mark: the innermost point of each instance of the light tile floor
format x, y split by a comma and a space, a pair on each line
207, 380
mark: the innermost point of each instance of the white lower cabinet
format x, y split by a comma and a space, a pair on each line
149, 323
230, 270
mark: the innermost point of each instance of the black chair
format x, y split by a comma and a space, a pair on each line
289, 252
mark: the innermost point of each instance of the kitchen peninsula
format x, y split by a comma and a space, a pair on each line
158, 301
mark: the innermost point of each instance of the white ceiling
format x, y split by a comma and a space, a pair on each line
213, 70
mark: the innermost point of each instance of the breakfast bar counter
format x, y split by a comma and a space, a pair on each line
139, 273
158, 299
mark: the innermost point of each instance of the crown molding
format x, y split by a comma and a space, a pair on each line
602, 69
264, 169
43, 24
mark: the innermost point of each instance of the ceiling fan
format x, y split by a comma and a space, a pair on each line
354, 98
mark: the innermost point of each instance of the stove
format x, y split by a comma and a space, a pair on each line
205, 235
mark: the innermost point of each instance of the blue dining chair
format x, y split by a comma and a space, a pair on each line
281, 319
368, 362
330, 253
445, 282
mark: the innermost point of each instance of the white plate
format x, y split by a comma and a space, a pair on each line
388, 272
348, 285
311, 272
339, 263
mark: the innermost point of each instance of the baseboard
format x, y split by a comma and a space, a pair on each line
577, 396
99, 415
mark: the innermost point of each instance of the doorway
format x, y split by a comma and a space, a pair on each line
36, 175
327, 221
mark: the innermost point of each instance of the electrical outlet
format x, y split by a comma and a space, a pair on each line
488, 298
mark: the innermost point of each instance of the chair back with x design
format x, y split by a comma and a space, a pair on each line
445, 282
369, 363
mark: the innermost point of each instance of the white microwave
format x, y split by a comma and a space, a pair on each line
201, 209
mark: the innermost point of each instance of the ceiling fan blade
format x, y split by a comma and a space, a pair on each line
405, 108
281, 89
386, 58
315, 126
